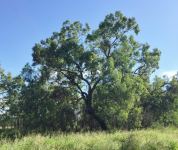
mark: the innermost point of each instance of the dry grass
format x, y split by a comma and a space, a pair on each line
157, 139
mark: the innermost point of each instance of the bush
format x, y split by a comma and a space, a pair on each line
130, 143
9, 134
135, 118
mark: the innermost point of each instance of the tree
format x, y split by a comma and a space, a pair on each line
43, 105
10, 89
160, 103
3, 105
170, 103
153, 102
79, 58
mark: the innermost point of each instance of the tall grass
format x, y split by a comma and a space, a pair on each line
152, 139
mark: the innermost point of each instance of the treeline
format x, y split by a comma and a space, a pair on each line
84, 80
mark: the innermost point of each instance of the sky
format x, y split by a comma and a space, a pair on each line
26, 22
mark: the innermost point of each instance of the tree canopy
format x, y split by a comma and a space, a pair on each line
84, 79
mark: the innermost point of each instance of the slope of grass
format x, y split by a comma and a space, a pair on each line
158, 139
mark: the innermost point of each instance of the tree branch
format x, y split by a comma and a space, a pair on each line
81, 74
83, 94
135, 72
95, 84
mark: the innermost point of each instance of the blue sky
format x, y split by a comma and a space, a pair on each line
26, 22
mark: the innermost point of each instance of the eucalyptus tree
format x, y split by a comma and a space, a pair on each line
84, 59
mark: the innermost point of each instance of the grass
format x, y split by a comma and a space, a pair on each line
151, 139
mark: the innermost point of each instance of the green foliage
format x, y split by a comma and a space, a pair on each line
135, 118
46, 108
160, 104
82, 79
86, 60
9, 134
131, 143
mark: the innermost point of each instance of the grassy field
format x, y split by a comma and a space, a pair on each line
152, 139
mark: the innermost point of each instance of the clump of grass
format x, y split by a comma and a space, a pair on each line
131, 143
153, 139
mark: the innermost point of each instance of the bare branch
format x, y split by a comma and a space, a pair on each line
139, 68
83, 94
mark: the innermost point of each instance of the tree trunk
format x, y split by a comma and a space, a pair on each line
92, 113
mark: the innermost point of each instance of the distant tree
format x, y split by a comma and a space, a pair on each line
160, 104
3, 100
170, 104
153, 102
10, 89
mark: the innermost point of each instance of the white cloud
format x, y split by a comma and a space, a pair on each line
169, 74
